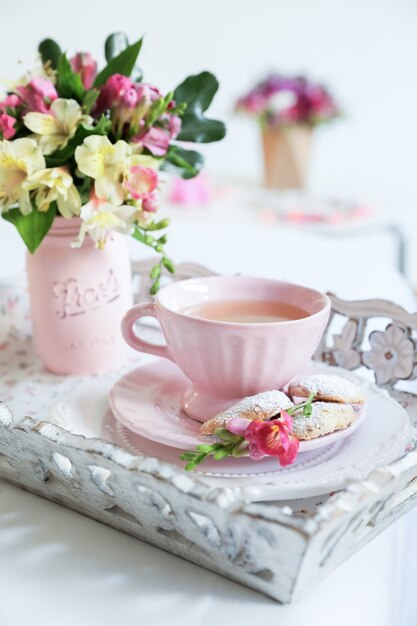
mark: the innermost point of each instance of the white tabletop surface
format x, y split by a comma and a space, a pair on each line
57, 567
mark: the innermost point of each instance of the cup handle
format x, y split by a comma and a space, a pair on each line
147, 309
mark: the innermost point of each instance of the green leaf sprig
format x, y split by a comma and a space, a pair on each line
230, 445
306, 406
143, 234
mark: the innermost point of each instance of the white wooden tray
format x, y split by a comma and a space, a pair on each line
279, 548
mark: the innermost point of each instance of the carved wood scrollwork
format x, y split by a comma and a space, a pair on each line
390, 352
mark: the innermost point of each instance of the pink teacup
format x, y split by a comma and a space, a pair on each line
226, 361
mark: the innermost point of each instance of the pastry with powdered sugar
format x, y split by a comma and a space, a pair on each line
327, 389
262, 406
325, 418
331, 409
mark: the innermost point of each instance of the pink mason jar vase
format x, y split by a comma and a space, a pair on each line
78, 297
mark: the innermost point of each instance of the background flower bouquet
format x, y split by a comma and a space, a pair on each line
77, 142
288, 108
81, 152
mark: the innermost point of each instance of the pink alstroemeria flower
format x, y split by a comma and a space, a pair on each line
141, 181
156, 140
38, 95
174, 125
11, 101
7, 129
116, 91
271, 438
83, 63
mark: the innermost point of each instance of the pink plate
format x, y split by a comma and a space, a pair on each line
148, 402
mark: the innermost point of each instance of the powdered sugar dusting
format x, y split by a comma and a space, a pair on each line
325, 418
327, 388
264, 405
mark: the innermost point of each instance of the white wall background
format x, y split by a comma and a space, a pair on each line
365, 49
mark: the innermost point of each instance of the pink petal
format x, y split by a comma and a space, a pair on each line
255, 453
238, 426
7, 128
141, 181
150, 202
287, 457
156, 141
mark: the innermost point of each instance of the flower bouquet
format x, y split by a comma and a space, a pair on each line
81, 156
288, 109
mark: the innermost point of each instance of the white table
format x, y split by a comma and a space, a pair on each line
59, 567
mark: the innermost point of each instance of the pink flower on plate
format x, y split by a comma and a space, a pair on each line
7, 129
271, 438
141, 181
238, 426
83, 63
38, 95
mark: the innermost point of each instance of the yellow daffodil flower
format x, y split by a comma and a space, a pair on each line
18, 160
100, 219
109, 165
53, 130
54, 185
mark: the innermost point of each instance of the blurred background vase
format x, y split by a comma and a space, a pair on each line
286, 153
288, 109
78, 297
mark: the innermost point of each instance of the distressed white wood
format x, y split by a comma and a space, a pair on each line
277, 548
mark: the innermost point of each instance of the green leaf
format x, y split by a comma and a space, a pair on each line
198, 89
220, 454
122, 64
154, 288
187, 456
226, 435
69, 84
199, 129
184, 163
33, 227
84, 130
115, 44
207, 449
197, 92
240, 448
89, 99
50, 51
168, 264
155, 272
305, 406
158, 225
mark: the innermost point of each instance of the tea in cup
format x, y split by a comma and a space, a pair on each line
232, 336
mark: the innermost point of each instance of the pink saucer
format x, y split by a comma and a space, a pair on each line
148, 402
